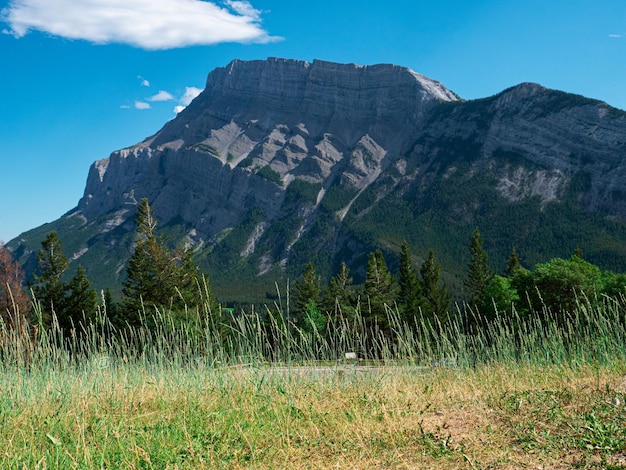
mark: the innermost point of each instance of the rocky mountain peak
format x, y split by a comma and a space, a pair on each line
278, 162
333, 97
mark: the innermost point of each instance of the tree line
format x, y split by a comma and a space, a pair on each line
158, 279
163, 280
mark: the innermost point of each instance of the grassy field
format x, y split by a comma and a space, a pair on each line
514, 397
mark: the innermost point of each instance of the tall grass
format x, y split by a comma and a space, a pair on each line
593, 333
522, 391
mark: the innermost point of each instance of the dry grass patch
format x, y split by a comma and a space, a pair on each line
489, 417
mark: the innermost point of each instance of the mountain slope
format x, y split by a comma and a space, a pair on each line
281, 162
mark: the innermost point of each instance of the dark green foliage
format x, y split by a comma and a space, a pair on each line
307, 291
513, 264
339, 295
81, 302
337, 197
49, 288
72, 303
558, 283
380, 291
409, 287
206, 148
434, 291
302, 189
226, 253
313, 320
246, 163
501, 298
269, 173
111, 308
478, 272
157, 278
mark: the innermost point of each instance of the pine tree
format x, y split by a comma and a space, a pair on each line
157, 278
49, 288
307, 289
81, 303
433, 290
379, 290
513, 264
410, 291
478, 273
14, 302
110, 306
338, 296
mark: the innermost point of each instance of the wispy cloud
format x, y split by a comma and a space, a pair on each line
142, 105
146, 24
616, 36
189, 95
161, 96
143, 81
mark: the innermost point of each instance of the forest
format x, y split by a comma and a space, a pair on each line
164, 284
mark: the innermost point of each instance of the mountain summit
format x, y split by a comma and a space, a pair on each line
281, 162
298, 118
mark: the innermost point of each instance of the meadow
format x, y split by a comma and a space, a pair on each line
522, 393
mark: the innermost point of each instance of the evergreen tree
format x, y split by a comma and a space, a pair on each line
81, 303
379, 290
478, 274
433, 290
410, 291
157, 278
307, 289
49, 288
14, 302
110, 307
338, 296
313, 320
513, 264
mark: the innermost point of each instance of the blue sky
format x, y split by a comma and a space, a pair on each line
82, 78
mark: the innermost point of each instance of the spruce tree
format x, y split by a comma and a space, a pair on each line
409, 288
307, 291
49, 288
157, 278
379, 290
110, 307
81, 303
513, 263
338, 296
478, 272
433, 290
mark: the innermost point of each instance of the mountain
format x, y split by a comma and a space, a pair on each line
281, 162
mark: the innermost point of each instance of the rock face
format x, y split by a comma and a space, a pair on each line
301, 119
280, 162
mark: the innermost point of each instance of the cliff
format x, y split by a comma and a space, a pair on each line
280, 162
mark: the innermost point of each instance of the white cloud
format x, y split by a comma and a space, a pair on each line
147, 24
143, 81
124, 106
615, 35
190, 93
142, 105
244, 9
161, 96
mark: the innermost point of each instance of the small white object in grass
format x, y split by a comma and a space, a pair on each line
350, 356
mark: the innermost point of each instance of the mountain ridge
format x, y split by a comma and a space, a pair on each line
280, 162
